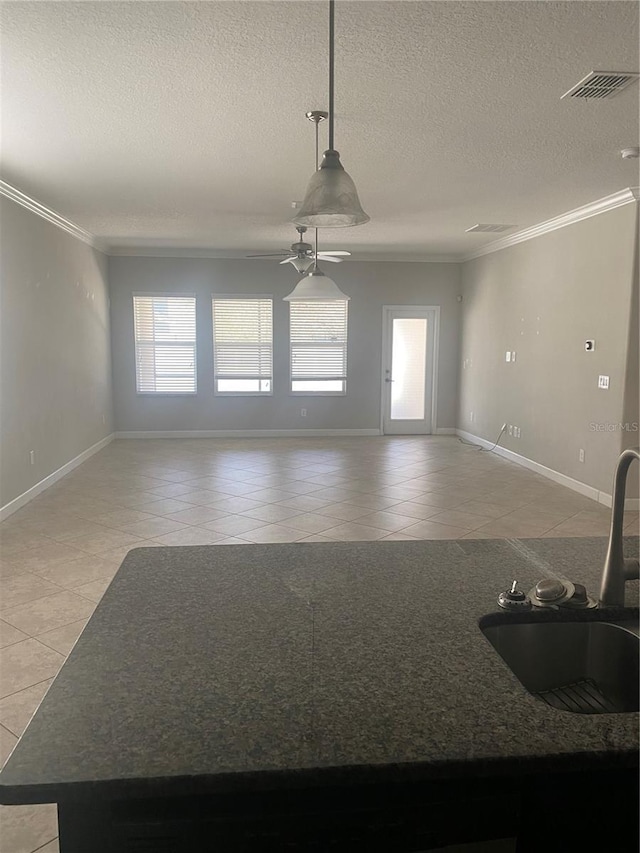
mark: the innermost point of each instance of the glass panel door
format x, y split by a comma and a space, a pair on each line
408, 365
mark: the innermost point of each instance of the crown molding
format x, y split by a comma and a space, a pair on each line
173, 252
50, 215
602, 205
176, 252
594, 208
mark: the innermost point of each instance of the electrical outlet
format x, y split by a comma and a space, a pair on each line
510, 429
516, 431
581, 455
303, 413
603, 382
32, 457
513, 356
507, 356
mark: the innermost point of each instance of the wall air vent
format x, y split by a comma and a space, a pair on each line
601, 84
487, 229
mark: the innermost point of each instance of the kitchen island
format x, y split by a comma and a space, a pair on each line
320, 696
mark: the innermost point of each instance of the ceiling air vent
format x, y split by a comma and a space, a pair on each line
485, 228
601, 84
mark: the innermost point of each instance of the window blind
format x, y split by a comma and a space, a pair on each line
318, 331
243, 345
165, 343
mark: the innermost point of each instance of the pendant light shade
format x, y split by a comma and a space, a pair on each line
315, 285
332, 198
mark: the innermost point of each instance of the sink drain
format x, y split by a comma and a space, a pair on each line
581, 697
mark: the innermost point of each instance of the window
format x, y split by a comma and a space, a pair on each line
242, 345
165, 338
318, 332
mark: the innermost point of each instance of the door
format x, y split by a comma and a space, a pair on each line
408, 369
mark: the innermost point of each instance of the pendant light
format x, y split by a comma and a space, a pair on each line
332, 199
315, 285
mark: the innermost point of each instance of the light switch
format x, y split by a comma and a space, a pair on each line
603, 382
507, 356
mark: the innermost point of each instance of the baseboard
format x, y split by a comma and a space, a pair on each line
604, 498
630, 504
34, 491
245, 433
446, 431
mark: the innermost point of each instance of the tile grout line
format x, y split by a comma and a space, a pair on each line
42, 846
29, 686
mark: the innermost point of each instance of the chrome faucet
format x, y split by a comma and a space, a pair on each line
616, 569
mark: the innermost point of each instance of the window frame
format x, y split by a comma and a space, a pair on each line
238, 298
166, 295
342, 379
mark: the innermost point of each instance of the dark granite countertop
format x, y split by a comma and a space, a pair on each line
237, 667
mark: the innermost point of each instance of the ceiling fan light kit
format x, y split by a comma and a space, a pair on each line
299, 264
302, 254
331, 200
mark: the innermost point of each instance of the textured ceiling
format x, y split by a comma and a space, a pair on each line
182, 124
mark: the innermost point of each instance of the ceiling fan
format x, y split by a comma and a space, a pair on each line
302, 255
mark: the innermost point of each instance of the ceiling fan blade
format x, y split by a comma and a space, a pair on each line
337, 252
329, 258
271, 255
287, 260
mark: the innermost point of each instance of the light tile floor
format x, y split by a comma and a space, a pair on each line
59, 553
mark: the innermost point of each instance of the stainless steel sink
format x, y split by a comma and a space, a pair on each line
582, 667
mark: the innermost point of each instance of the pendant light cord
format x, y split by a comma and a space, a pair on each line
331, 61
315, 260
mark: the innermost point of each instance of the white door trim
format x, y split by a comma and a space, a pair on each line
386, 311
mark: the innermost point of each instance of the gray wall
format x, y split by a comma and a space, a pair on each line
54, 349
631, 411
370, 285
543, 298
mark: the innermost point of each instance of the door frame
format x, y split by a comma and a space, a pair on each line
386, 318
